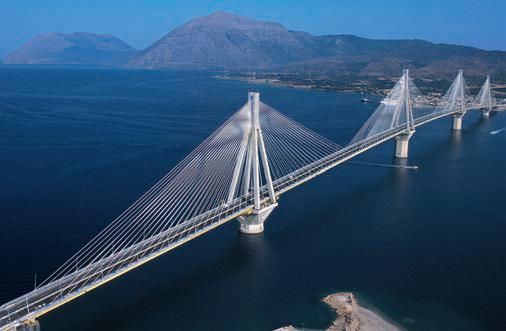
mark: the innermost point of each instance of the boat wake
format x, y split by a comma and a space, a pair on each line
374, 164
498, 131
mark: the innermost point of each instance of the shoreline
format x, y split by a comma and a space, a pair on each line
313, 87
350, 316
362, 86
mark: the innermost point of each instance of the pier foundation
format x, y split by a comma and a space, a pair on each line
254, 223
402, 145
457, 121
485, 112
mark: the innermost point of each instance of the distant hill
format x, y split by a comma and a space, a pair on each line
227, 41
75, 48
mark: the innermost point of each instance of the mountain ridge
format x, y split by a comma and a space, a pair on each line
229, 42
226, 41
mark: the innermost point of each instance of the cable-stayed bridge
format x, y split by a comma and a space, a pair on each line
238, 172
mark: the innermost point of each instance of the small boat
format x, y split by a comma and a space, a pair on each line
365, 100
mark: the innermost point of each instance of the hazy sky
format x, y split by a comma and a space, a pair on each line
139, 23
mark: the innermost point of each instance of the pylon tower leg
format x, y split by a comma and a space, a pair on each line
257, 165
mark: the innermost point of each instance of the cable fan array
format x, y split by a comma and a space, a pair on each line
197, 185
393, 111
456, 98
485, 98
290, 145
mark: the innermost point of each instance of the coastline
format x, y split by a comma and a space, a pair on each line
304, 86
379, 86
351, 316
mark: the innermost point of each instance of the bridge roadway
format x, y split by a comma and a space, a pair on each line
50, 296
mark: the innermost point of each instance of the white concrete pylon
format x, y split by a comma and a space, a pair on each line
257, 163
402, 141
408, 107
457, 118
485, 100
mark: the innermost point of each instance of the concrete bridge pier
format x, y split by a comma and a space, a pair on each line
32, 325
254, 223
402, 145
457, 121
485, 112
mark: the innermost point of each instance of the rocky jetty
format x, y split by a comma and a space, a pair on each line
347, 310
350, 316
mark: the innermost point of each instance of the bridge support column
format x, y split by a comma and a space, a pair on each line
402, 145
485, 112
254, 223
457, 121
32, 325
257, 164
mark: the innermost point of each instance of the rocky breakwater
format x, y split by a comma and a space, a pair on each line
351, 316
347, 311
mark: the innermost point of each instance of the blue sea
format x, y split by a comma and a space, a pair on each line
425, 248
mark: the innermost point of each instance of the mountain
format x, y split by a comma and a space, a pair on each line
224, 40
231, 42
75, 48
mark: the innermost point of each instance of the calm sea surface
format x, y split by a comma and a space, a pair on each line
426, 248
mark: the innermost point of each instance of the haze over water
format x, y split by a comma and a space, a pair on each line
424, 247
